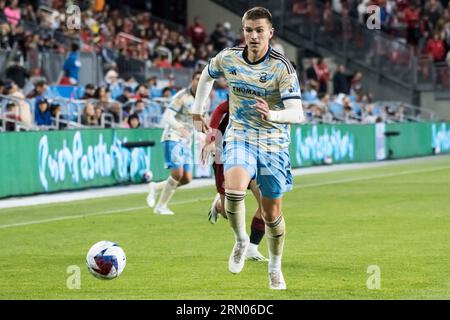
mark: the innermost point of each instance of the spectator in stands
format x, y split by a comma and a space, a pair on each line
142, 92
88, 117
341, 81
446, 33
57, 116
369, 116
42, 114
72, 65
323, 75
133, 121
130, 82
162, 61
98, 111
197, 33
125, 96
436, 48
229, 34
17, 72
311, 71
177, 63
12, 113
434, 10
218, 38
13, 13
139, 109
356, 84
89, 91
399, 115
411, 16
6, 40
167, 93
152, 84
114, 112
12, 90
190, 61
40, 88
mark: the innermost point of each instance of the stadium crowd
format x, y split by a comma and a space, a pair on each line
424, 24
124, 102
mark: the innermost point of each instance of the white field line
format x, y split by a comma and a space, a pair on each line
51, 200
340, 181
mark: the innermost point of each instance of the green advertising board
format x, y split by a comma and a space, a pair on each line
319, 144
49, 161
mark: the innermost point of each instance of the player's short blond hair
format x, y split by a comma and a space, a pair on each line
256, 13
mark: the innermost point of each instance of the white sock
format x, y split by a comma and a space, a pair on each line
168, 190
235, 209
274, 263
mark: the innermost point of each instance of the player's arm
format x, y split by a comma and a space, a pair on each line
169, 118
292, 112
204, 88
216, 119
291, 97
212, 71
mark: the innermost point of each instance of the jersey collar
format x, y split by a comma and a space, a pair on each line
245, 52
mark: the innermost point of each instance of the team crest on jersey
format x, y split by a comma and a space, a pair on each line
263, 77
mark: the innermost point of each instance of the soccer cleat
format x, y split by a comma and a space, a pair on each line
276, 280
213, 215
163, 211
237, 257
151, 194
255, 255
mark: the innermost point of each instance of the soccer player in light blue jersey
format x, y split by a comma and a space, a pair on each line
177, 142
264, 99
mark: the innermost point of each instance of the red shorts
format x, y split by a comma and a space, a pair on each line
219, 177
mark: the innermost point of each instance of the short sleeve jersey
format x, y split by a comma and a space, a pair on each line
272, 78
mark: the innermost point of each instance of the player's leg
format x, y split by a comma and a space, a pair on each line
153, 188
275, 233
240, 167
257, 228
217, 204
274, 178
168, 191
174, 159
186, 177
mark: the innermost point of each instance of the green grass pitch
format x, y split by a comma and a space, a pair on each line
396, 217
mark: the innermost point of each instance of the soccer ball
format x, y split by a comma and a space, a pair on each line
147, 176
106, 260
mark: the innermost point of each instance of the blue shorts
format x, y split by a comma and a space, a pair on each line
272, 170
177, 155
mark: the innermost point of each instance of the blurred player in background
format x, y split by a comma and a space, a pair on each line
214, 145
177, 141
264, 98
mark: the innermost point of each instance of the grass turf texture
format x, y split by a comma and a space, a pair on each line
338, 224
